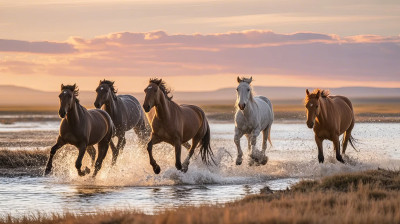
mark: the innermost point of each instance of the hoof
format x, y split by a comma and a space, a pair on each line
156, 169
320, 159
239, 161
83, 173
340, 159
47, 172
251, 162
264, 160
178, 166
185, 167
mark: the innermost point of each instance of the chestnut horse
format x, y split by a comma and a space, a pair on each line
330, 117
83, 129
125, 112
176, 124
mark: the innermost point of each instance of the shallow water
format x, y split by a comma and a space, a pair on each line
131, 184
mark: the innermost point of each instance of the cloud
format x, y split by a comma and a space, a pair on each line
308, 55
43, 47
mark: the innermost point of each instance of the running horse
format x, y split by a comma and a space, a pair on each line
254, 115
330, 117
83, 129
176, 124
125, 112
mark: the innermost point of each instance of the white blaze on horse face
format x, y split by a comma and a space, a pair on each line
101, 88
149, 87
65, 92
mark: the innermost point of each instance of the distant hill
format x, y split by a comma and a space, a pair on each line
21, 96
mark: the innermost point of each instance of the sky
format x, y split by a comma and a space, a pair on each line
199, 45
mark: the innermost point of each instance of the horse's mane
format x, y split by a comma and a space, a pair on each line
110, 84
73, 89
324, 93
161, 84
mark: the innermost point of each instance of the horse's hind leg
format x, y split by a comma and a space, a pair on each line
103, 147
264, 158
92, 153
115, 152
346, 137
336, 144
78, 163
185, 165
238, 135
53, 151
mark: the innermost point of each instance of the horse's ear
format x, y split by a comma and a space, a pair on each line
318, 94
307, 92
239, 80
62, 86
251, 79
74, 86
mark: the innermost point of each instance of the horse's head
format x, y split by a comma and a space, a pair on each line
151, 97
244, 92
105, 91
67, 98
154, 91
313, 108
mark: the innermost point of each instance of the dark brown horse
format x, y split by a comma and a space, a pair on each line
83, 129
175, 125
330, 116
126, 113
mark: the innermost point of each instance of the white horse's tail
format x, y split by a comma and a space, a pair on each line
269, 137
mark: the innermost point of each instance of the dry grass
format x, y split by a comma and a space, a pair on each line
365, 197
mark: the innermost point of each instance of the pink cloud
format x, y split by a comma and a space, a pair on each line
43, 47
315, 55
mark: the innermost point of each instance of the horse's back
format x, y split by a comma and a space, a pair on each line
131, 111
265, 106
101, 125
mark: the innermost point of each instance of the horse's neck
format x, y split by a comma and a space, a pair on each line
162, 108
111, 106
325, 105
250, 110
75, 115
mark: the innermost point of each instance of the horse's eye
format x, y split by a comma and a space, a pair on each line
248, 90
317, 106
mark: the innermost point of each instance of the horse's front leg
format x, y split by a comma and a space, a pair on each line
318, 140
154, 140
255, 153
116, 149
78, 163
238, 135
60, 143
178, 148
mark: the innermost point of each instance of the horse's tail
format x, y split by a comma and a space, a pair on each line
206, 152
352, 142
269, 137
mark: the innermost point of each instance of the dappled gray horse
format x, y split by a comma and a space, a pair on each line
126, 113
253, 115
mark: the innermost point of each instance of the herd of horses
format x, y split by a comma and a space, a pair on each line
166, 121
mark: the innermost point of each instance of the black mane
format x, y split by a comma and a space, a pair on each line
110, 84
161, 84
72, 88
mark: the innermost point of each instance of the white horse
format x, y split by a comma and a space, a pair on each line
253, 115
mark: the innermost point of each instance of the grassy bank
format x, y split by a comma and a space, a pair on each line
22, 162
364, 197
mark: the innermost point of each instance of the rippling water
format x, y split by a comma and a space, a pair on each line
131, 184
